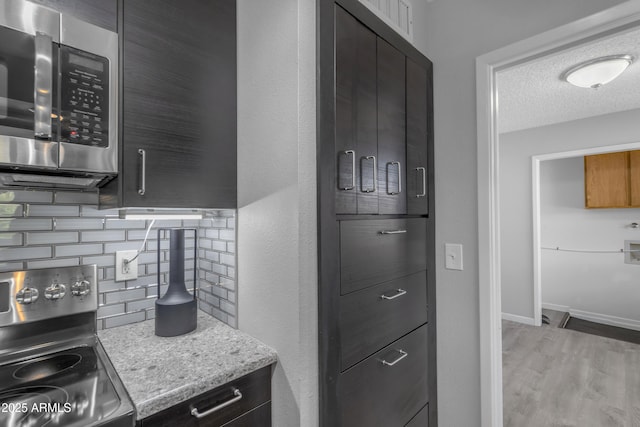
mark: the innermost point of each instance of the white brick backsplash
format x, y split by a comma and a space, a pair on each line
45, 229
102, 236
228, 259
11, 266
18, 254
25, 196
79, 223
76, 197
228, 235
11, 210
11, 239
100, 260
125, 224
52, 237
122, 296
54, 263
112, 322
81, 249
111, 310
24, 224
142, 304
52, 210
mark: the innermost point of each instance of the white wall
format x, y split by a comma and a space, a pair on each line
277, 272
516, 210
453, 34
598, 285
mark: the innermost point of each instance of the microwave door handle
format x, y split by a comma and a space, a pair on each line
43, 86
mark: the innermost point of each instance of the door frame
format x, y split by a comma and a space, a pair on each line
537, 215
490, 312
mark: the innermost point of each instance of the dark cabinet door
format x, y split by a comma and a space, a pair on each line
391, 129
234, 400
418, 119
179, 103
356, 130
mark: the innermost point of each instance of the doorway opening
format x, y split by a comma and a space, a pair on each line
580, 32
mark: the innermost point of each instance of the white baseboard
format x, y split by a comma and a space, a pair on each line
555, 307
519, 319
606, 319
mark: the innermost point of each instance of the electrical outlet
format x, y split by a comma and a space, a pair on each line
126, 270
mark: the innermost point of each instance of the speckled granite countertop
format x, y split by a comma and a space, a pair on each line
159, 372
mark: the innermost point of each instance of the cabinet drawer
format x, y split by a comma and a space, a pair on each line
258, 417
388, 388
254, 387
368, 321
375, 251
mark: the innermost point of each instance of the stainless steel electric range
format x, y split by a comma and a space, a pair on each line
53, 369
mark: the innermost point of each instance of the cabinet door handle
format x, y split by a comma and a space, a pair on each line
424, 182
352, 153
403, 354
399, 178
375, 174
43, 84
399, 293
143, 172
237, 396
393, 231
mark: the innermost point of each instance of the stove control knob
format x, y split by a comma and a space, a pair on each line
80, 288
55, 291
27, 295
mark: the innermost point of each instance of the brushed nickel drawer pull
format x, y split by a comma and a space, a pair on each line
393, 231
352, 153
399, 293
197, 414
403, 354
375, 175
394, 193
424, 182
143, 172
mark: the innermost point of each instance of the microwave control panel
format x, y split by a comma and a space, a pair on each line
85, 98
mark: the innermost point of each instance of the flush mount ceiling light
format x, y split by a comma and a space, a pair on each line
597, 72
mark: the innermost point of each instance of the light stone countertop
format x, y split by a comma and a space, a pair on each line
159, 372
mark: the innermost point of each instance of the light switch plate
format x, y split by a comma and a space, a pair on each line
453, 256
126, 271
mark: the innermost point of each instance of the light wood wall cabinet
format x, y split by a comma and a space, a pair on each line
376, 224
612, 180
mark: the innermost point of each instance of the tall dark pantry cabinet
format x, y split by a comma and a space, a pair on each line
376, 224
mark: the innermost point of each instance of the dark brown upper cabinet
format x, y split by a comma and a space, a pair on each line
382, 117
419, 118
178, 97
356, 117
370, 121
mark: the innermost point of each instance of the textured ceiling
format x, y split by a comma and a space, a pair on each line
532, 94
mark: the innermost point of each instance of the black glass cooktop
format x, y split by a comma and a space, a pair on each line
68, 388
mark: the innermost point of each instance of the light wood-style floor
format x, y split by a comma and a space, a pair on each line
562, 378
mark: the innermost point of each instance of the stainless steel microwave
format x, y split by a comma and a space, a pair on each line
58, 99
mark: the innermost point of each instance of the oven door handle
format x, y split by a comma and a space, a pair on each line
43, 86
237, 397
